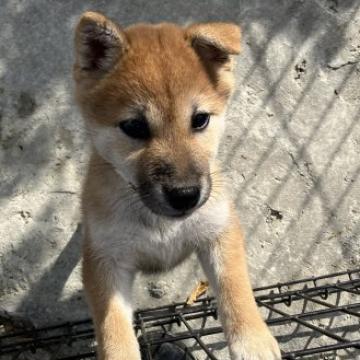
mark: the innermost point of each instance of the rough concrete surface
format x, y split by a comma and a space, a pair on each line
291, 150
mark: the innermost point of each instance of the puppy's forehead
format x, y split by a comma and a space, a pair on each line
161, 48
161, 65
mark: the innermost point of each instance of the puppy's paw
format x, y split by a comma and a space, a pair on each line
255, 345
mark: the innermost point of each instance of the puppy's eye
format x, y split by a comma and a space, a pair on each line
136, 128
200, 121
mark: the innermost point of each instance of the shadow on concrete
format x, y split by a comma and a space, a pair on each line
49, 288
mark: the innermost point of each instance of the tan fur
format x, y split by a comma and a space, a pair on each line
241, 319
115, 337
166, 73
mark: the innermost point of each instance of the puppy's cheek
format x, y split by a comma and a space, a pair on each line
209, 141
211, 152
110, 147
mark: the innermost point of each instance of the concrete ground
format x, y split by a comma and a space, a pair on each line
291, 150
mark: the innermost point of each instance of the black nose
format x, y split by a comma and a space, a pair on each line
184, 198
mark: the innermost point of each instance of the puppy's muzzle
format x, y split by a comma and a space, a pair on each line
182, 198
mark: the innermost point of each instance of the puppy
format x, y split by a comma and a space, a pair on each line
153, 98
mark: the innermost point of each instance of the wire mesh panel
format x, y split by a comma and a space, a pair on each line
313, 318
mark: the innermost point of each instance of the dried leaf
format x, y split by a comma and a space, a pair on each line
199, 290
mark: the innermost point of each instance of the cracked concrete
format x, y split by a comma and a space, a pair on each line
291, 150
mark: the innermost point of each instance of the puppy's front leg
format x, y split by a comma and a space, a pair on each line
108, 294
224, 262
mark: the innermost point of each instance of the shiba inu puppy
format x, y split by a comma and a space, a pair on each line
153, 98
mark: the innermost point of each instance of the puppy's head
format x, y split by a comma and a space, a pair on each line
153, 97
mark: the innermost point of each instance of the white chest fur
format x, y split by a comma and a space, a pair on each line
139, 240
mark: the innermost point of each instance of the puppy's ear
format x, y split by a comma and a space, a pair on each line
99, 44
214, 41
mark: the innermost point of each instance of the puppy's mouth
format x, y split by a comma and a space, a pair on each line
175, 201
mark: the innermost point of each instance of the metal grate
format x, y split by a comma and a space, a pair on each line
313, 318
